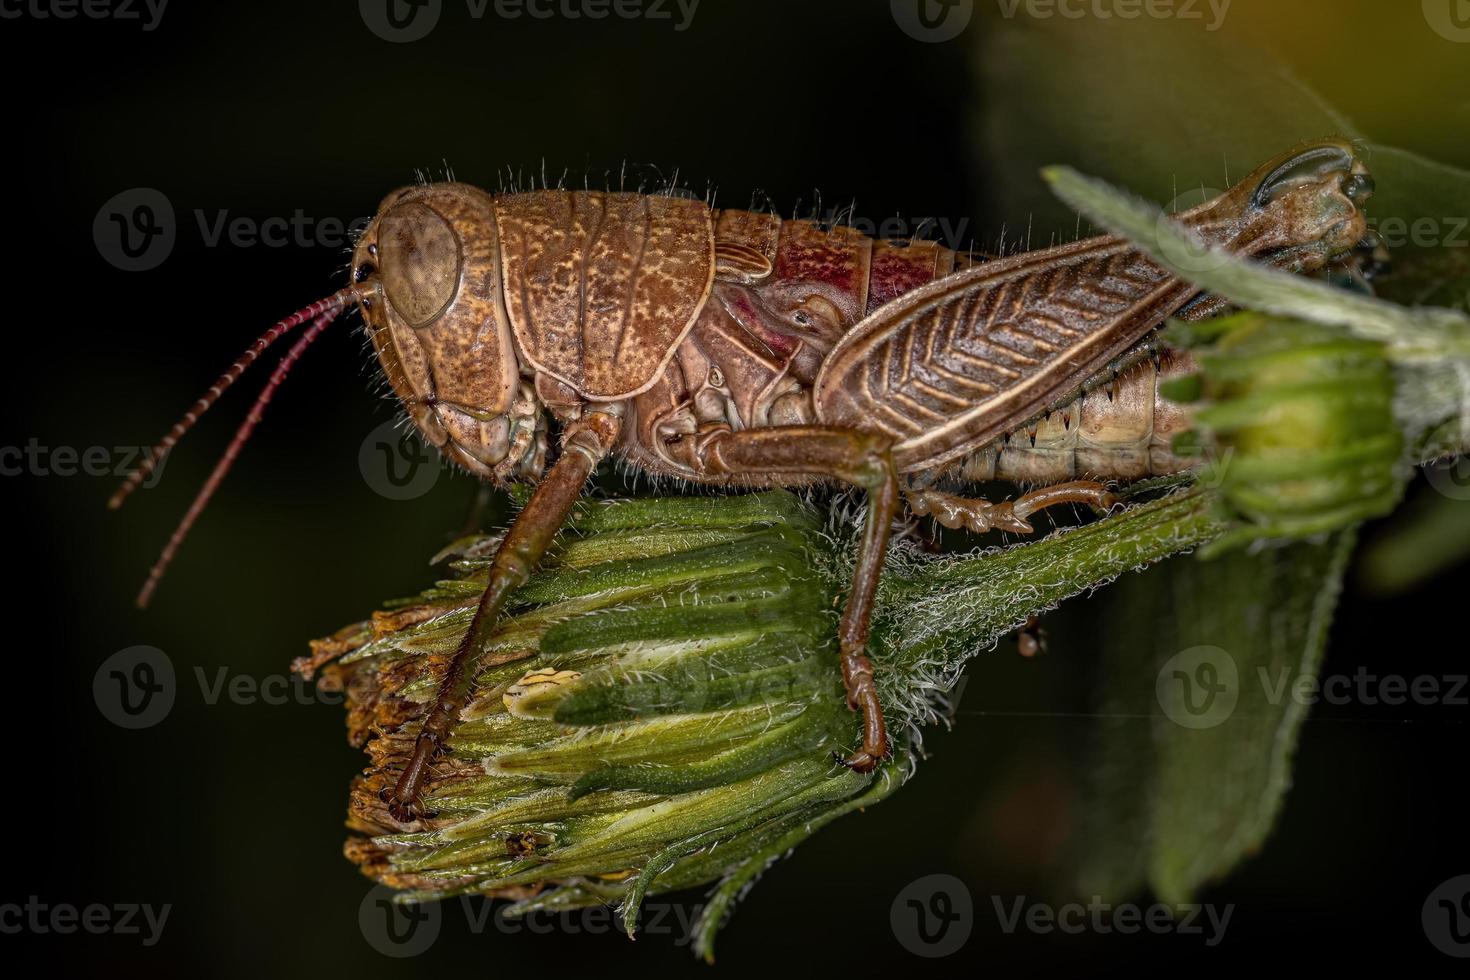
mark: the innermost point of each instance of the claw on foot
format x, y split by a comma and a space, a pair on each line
405, 811
862, 696
403, 800
860, 761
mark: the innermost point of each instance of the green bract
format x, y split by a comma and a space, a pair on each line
661, 707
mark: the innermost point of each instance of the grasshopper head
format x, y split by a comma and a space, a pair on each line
1299, 211
427, 276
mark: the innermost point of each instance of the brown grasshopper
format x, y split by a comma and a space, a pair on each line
735, 349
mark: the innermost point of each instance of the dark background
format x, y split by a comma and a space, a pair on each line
232, 812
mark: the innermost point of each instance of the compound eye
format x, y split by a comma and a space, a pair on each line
420, 259
818, 315
1306, 167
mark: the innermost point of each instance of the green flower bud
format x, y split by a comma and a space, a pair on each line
1297, 421
661, 706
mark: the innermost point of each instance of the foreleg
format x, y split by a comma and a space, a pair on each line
587, 441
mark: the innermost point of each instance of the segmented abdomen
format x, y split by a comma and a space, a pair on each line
1121, 430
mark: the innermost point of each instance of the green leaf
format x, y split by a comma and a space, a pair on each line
1420, 205
1197, 723
1080, 90
1175, 125
1427, 538
1425, 335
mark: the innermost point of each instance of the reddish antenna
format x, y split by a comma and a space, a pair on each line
321, 314
145, 469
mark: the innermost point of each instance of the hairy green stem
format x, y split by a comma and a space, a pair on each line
935, 616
